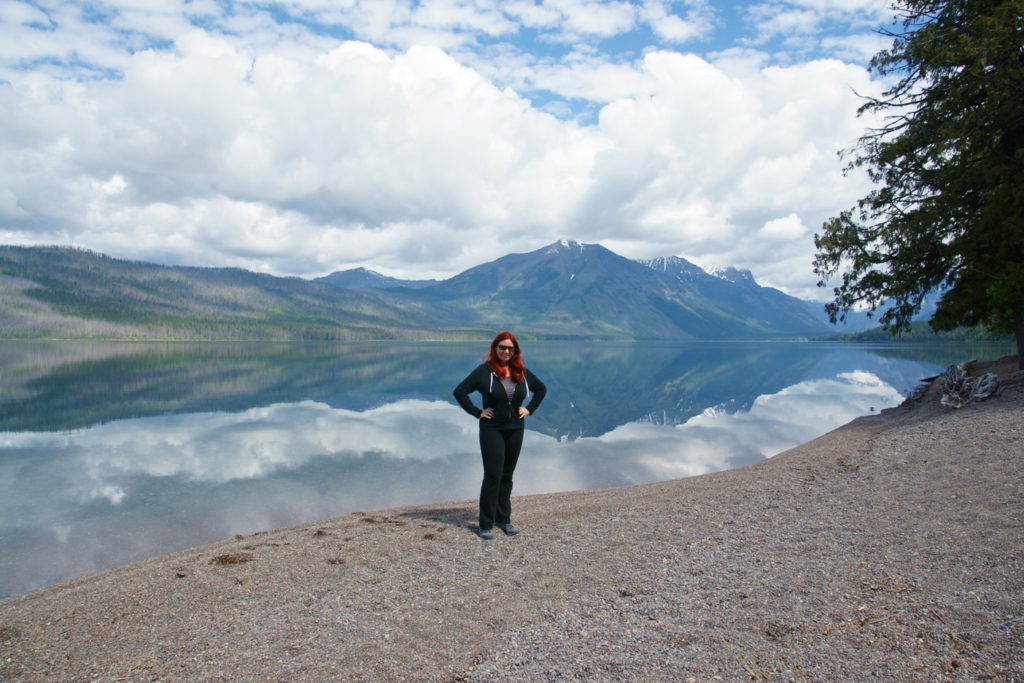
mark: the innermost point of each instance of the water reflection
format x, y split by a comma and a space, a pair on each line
593, 387
115, 453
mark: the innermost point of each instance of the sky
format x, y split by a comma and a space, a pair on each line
419, 138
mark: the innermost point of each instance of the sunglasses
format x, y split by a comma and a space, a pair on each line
506, 348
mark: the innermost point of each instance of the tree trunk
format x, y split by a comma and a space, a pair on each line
1018, 325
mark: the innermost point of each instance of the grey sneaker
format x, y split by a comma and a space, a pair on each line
509, 529
486, 534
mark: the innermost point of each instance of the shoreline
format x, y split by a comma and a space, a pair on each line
890, 546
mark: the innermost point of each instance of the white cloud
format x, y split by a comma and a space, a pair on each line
705, 160
22, 13
264, 144
588, 77
859, 47
786, 228
786, 22
485, 18
595, 17
812, 24
116, 185
668, 25
532, 14
268, 152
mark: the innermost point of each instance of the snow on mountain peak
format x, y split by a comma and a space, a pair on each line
563, 245
714, 271
729, 273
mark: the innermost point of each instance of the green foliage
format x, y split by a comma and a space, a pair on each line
918, 331
948, 213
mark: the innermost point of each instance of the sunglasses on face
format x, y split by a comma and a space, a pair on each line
510, 349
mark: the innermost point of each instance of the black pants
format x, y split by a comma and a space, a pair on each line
500, 450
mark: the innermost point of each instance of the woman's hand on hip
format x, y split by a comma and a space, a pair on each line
487, 413
523, 412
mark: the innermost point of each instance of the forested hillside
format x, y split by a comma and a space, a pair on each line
67, 292
919, 331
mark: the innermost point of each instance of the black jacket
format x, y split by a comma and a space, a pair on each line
494, 396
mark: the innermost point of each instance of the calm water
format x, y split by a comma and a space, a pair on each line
111, 453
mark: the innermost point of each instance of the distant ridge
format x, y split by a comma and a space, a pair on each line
59, 292
362, 279
563, 290
738, 291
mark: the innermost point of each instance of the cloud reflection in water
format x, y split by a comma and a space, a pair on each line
81, 501
641, 452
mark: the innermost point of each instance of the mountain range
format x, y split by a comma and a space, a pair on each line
569, 289
363, 278
563, 290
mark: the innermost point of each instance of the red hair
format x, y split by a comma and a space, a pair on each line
515, 365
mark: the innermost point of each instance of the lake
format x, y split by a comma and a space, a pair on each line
114, 452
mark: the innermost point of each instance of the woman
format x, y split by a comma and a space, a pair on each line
504, 383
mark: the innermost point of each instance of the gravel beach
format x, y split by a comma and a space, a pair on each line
890, 548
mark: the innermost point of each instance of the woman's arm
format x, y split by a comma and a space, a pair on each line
537, 388
465, 388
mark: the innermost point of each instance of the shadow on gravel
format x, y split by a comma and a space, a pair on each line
459, 517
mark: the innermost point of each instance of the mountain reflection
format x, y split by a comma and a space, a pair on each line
113, 453
593, 388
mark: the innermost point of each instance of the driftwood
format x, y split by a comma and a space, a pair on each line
958, 389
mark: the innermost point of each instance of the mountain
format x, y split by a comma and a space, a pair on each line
858, 322
737, 291
363, 279
67, 292
563, 290
574, 289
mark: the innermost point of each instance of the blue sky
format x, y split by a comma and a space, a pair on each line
422, 138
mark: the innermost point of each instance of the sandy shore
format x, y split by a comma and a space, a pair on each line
892, 547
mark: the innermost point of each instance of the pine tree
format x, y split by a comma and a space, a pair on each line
947, 214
